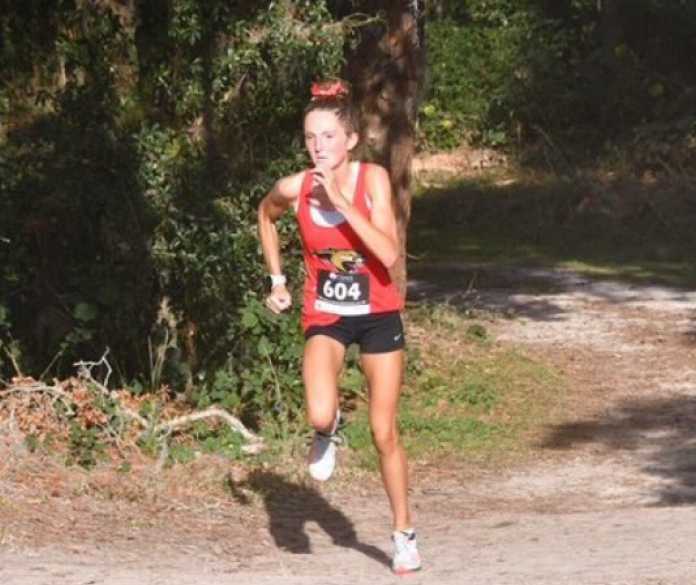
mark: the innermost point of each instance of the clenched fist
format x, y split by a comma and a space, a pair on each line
279, 300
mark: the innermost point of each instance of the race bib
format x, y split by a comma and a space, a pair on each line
343, 294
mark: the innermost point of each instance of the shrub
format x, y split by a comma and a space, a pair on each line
131, 185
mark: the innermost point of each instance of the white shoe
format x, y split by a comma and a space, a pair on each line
322, 454
406, 558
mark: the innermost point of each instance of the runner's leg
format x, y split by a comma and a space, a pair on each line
321, 366
384, 377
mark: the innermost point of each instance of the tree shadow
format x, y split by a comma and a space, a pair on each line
533, 292
79, 257
290, 506
500, 289
661, 431
623, 231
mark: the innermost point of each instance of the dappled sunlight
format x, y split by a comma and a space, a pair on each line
620, 229
677, 274
536, 293
483, 288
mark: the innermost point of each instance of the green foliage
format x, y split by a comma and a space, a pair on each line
469, 388
476, 71
206, 439
5, 337
570, 74
137, 148
85, 446
477, 332
261, 380
666, 146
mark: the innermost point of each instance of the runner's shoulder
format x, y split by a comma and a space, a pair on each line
377, 181
288, 188
376, 171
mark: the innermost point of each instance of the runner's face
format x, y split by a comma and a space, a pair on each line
326, 139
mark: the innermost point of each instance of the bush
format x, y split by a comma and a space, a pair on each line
515, 73
128, 192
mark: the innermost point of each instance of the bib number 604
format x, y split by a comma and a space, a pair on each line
341, 291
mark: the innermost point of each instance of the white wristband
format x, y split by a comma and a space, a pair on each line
277, 280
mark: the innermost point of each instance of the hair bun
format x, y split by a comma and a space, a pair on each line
329, 89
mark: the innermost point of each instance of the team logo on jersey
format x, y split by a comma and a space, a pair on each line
343, 260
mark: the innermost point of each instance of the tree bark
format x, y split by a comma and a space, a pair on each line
387, 72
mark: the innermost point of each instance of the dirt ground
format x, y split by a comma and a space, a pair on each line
608, 498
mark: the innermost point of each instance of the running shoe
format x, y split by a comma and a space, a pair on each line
322, 454
406, 558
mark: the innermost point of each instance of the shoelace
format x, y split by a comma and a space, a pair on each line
336, 438
402, 543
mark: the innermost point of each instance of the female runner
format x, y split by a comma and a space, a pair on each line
349, 238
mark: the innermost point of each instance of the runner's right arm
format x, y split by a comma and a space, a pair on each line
282, 196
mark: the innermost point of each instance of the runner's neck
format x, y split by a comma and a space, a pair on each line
348, 180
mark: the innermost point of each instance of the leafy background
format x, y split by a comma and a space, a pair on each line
134, 148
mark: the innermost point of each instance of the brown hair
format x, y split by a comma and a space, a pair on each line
333, 95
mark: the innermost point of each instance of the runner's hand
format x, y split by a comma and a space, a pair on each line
279, 300
325, 177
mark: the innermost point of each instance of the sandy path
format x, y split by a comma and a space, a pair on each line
619, 547
610, 500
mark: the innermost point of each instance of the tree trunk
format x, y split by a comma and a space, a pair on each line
387, 72
611, 31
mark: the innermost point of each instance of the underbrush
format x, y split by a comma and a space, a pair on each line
465, 398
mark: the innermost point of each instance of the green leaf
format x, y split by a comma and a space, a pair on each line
264, 346
85, 312
249, 320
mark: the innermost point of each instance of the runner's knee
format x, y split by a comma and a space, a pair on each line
385, 437
322, 418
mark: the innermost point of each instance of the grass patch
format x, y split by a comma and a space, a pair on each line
621, 229
204, 438
466, 398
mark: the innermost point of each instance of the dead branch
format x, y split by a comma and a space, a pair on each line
255, 442
160, 430
84, 372
85, 368
166, 428
13, 359
38, 387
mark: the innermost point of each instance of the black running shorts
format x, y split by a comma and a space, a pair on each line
374, 333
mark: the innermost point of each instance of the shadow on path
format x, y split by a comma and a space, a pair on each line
290, 506
533, 292
662, 432
471, 286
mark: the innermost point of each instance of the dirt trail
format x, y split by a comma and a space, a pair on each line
610, 500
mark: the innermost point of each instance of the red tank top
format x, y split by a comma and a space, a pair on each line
343, 278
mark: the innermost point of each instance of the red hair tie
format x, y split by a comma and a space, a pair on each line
328, 90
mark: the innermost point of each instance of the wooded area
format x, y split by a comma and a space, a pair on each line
138, 136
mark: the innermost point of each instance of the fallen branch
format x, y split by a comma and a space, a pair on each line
38, 387
35, 387
84, 371
79, 403
166, 428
